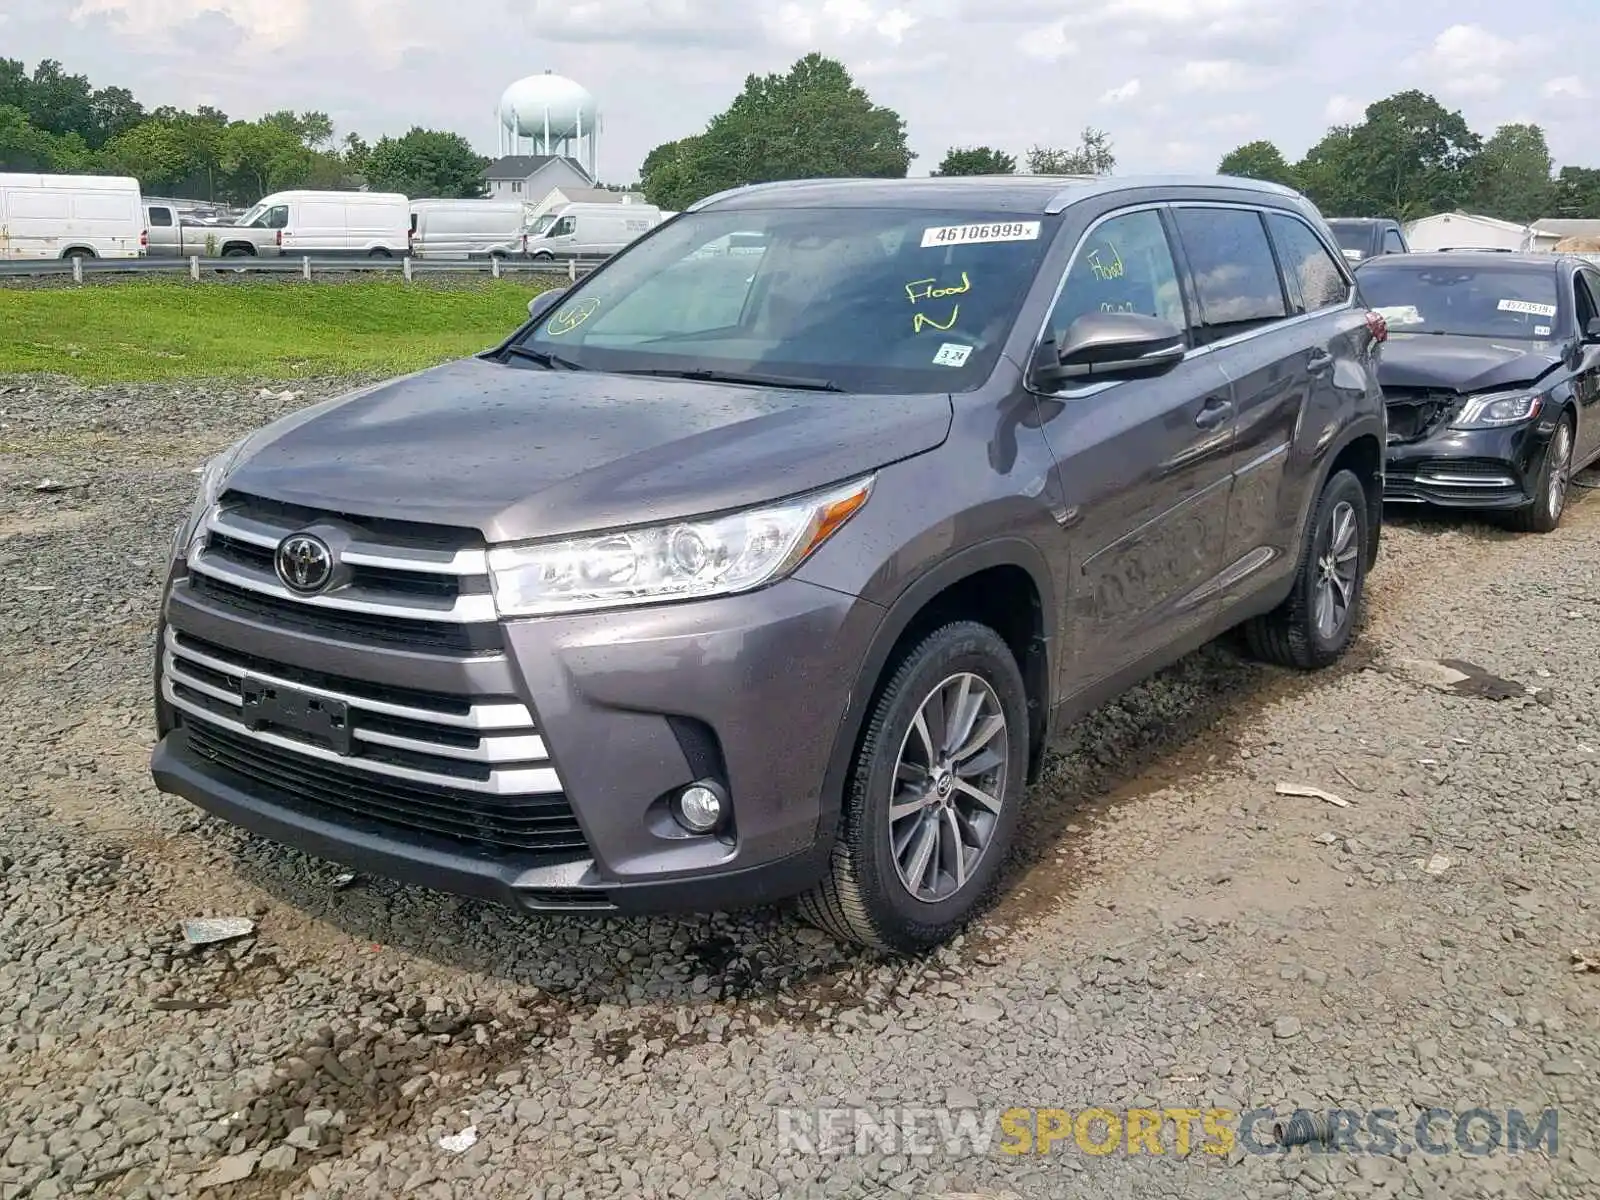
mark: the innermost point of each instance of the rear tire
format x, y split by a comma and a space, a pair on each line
1313, 627
1555, 480
908, 879
237, 252
379, 252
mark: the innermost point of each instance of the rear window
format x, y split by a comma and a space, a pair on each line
1235, 274
885, 300
1354, 240
1496, 302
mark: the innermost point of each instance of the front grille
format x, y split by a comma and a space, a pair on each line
475, 772
1417, 413
399, 584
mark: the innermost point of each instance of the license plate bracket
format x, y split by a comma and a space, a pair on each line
270, 706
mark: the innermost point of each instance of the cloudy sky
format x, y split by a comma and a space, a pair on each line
1176, 82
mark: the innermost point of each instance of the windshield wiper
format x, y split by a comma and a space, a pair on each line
545, 359
797, 382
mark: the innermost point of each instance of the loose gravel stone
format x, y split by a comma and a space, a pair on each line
1173, 934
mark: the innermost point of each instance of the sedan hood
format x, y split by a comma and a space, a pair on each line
523, 452
1462, 364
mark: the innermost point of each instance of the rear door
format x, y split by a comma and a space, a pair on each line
1145, 464
1274, 359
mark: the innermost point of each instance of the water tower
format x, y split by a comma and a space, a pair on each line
549, 114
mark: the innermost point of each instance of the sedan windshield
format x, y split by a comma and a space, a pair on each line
1494, 302
880, 300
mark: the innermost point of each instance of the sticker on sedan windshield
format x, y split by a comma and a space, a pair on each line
1529, 307
952, 354
967, 235
1401, 314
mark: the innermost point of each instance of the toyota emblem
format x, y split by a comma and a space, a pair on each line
304, 563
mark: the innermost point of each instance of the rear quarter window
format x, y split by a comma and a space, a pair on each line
1307, 261
1235, 275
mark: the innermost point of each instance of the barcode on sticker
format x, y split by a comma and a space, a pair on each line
1529, 307
965, 235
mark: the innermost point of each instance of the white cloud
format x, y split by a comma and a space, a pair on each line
1121, 93
802, 24
1216, 75
1469, 60
1567, 87
269, 26
1049, 44
1342, 110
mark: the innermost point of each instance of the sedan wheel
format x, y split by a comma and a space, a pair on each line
1550, 491
1337, 571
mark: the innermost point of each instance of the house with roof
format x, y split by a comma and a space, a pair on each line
1549, 232
532, 177
1467, 231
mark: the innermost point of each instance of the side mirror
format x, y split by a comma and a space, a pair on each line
544, 302
1114, 345
1591, 331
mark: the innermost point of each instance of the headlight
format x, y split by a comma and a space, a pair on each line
212, 476
1506, 408
685, 560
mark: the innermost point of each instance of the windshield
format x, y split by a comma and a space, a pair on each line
253, 215
1495, 302
869, 299
541, 224
1354, 240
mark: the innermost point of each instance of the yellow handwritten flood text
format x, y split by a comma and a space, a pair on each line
569, 319
921, 321
1104, 268
1103, 1131
924, 289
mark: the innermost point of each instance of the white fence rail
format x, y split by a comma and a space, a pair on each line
307, 267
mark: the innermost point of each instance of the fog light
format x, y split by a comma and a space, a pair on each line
701, 807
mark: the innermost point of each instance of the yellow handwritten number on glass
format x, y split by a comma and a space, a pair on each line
569, 319
921, 321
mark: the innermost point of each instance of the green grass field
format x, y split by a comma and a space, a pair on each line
168, 329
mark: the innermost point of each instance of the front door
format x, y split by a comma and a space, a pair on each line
1143, 465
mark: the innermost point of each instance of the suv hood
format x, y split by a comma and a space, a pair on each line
1462, 364
524, 452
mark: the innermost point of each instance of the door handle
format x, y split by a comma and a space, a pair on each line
1319, 362
1214, 412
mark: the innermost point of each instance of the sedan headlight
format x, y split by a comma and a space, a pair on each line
1503, 408
683, 560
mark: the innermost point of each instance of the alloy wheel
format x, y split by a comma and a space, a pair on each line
1337, 571
1560, 469
948, 787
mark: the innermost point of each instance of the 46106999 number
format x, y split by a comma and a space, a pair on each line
1003, 231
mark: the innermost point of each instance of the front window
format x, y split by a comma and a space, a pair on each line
883, 300
253, 215
276, 217
1491, 302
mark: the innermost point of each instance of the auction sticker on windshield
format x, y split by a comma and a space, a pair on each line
1529, 307
952, 354
966, 235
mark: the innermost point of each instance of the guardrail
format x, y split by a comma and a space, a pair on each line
306, 266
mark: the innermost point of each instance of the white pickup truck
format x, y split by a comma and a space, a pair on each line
171, 237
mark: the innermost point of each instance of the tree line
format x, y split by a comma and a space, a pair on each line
1411, 157
52, 121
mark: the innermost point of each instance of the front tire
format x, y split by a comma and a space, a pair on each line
1555, 478
1313, 627
932, 797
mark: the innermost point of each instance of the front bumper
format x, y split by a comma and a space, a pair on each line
1478, 468
629, 708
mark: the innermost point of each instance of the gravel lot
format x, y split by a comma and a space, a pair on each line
1176, 935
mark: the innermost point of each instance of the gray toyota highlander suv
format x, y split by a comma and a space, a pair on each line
762, 562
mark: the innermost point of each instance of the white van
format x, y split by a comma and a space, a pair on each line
71, 216
335, 224
589, 230
466, 228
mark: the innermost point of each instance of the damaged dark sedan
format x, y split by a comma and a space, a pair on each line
1491, 375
